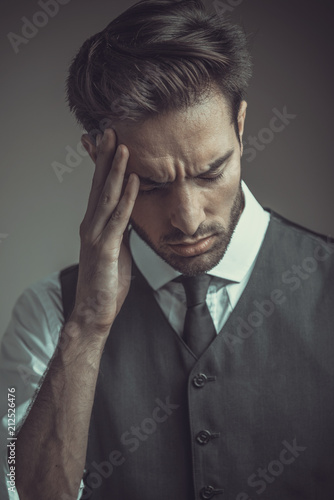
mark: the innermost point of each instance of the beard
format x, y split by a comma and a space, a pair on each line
199, 264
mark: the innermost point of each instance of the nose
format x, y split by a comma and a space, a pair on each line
187, 208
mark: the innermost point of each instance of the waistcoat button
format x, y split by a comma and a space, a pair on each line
200, 380
203, 437
209, 492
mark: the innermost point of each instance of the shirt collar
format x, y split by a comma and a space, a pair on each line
237, 261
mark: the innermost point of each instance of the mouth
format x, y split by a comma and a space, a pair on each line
192, 249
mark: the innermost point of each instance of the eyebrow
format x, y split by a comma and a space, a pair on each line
217, 163
148, 181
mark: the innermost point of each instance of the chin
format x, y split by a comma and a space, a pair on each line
198, 264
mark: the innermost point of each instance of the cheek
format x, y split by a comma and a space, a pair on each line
147, 213
220, 199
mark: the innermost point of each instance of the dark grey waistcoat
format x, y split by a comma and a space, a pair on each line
253, 418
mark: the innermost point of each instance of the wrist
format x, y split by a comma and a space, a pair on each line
84, 335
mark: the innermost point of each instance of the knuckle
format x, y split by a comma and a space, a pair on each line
116, 215
105, 199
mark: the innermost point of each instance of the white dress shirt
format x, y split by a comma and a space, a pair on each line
37, 319
233, 270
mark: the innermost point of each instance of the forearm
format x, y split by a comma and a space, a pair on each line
52, 443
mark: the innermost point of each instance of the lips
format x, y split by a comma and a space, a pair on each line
193, 249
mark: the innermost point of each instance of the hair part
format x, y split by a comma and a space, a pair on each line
156, 57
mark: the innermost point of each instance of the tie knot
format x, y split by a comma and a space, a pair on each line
196, 288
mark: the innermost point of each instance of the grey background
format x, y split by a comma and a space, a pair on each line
292, 46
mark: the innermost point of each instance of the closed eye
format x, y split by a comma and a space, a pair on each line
214, 174
159, 187
213, 178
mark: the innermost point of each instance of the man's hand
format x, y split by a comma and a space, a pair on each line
105, 262
52, 443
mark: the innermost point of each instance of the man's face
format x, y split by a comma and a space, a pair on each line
190, 196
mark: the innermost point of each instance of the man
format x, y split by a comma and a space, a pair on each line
191, 350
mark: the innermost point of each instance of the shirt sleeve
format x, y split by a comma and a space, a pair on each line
26, 349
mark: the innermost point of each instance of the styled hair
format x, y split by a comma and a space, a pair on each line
156, 57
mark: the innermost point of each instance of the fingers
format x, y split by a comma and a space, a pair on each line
120, 217
104, 153
109, 208
110, 203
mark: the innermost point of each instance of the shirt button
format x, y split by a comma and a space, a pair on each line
209, 492
203, 437
200, 380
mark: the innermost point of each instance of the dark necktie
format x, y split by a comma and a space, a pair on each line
199, 330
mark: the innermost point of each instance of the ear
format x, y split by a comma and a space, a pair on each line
241, 122
89, 145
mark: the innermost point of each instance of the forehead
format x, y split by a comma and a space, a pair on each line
191, 138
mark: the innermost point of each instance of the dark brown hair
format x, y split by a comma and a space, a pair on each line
158, 56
